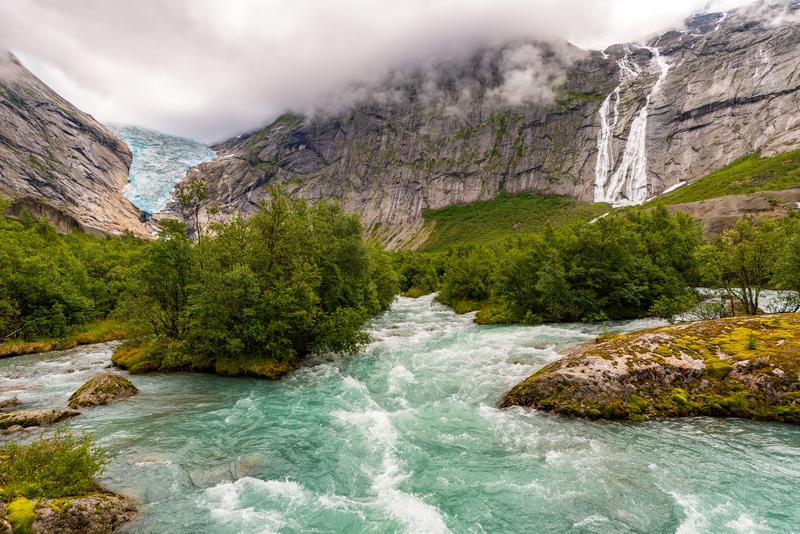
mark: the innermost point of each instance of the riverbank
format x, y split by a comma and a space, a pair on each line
407, 437
735, 367
100, 331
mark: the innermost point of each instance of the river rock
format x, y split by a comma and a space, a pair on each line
740, 366
102, 389
13, 402
28, 418
99, 513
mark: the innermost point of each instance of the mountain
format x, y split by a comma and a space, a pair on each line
618, 126
58, 162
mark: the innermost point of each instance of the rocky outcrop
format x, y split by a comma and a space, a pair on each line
27, 418
102, 389
718, 214
99, 513
739, 367
57, 162
440, 135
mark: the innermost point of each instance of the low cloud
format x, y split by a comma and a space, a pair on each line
208, 69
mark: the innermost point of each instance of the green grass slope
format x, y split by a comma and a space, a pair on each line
744, 176
505, 215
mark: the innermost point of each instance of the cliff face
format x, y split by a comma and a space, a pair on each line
620, 125
58, 162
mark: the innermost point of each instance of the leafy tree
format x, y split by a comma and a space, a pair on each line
741, 262
160, 280
192, 195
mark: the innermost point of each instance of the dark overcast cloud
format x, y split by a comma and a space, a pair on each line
209, 69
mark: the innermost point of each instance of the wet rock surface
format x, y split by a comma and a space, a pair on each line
741, 367
30, 418
102, 389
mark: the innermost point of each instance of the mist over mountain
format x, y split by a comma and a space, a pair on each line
209, 70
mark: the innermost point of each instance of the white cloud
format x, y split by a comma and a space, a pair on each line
209, 69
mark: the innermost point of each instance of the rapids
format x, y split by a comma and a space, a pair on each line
406, 438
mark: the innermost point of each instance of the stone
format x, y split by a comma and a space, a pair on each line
700, 368
99, 513
13, 402
28, 418
102, 389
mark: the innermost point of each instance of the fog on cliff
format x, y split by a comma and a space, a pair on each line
208, 70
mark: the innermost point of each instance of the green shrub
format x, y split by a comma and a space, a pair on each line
63, 465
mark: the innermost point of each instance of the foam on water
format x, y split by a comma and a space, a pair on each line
406, 437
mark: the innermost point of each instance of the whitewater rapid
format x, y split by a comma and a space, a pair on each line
406, 437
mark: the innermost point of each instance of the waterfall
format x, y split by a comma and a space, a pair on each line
628, 183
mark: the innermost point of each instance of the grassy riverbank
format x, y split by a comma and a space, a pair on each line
99, 331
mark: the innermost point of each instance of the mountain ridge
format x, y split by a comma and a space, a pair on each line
58, 162
732, 87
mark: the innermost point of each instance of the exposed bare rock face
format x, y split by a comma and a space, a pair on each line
57, 162
724, 87
718, 214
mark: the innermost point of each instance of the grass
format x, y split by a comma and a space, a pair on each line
63, 465
492, 220
98, 331
744, 176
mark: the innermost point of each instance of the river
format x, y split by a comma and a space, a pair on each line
405, 437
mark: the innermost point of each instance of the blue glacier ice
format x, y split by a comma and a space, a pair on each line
159, 162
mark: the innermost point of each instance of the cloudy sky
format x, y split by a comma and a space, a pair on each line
209, 69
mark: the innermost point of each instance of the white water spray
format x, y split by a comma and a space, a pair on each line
628, 183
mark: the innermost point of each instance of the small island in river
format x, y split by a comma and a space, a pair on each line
733, 367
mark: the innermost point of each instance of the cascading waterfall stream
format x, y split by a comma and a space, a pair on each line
628, 183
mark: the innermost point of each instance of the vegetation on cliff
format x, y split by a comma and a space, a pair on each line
737, 367
494, 220
746, 175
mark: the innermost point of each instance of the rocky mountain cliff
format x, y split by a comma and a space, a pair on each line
618, 126
58, 162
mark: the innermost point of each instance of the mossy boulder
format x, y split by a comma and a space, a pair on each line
102, 389
734, 367
98, 513
27, 418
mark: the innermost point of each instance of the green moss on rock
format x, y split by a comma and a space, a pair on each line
703, 368
102, 389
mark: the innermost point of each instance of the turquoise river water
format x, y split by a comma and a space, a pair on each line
406, 438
